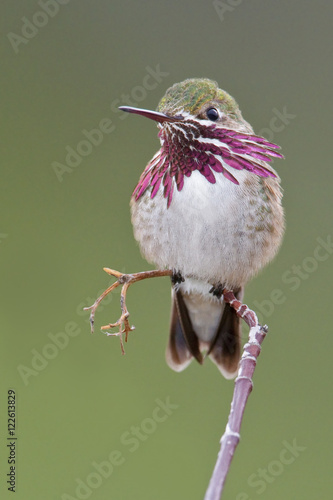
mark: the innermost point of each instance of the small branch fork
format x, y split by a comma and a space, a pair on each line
243, 382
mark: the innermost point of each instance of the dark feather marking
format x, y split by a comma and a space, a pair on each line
187, 328
177, 347
226, 346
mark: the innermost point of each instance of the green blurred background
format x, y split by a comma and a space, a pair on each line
80, 402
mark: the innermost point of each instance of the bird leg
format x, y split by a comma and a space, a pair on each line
217, 290
242, 310
125, 281
177, 278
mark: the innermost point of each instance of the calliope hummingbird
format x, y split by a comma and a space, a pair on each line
207, 207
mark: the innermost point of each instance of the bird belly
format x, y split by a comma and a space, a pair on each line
216, 233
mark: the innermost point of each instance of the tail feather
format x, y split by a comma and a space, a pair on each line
187, 341
183, 342
225, 349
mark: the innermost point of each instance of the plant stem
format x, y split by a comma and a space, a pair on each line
243, 388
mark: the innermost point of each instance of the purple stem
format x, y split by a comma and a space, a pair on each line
243, 388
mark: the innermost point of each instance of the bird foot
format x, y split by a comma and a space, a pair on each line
177, 278
217, 290
123, 280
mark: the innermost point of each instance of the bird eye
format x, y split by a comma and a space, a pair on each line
212, 114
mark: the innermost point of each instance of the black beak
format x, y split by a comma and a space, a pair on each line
153, 115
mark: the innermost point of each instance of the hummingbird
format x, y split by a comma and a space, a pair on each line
207, 207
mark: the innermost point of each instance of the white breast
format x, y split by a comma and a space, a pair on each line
205, 231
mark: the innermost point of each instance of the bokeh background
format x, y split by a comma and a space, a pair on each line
80, 403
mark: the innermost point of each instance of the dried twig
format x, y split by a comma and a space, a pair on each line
243, 382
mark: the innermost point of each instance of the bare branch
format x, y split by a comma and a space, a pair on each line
243, 388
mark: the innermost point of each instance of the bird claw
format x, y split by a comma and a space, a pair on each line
217, 290
123, 280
